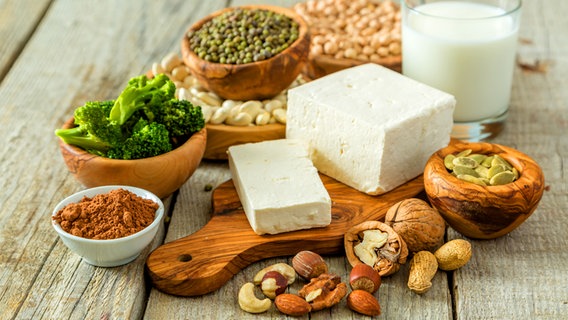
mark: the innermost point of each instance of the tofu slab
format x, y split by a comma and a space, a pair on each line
371, 128
278, 186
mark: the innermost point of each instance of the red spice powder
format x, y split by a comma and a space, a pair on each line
116, 214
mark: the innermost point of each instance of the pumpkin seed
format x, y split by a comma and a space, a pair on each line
464, 153
463, 170
448, 161
498, 168
479, 158
468, 178
498, 160
487, 162
481, 169
502, 178
465, 162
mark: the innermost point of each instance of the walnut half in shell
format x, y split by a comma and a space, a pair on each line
376, 244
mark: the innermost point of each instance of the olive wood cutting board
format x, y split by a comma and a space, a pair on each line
205, 260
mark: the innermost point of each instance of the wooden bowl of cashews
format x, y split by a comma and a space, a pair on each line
477, 209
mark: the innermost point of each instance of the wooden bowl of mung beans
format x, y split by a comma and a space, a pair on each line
483, 190
242, 59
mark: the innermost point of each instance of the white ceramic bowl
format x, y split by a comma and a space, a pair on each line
112, 252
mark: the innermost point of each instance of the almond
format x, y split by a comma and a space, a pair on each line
363, 302
292, 304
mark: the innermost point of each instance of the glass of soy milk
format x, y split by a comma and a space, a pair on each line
466, 48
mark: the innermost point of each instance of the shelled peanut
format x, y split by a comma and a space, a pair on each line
215, 109
360, 29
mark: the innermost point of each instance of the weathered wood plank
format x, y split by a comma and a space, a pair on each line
524, 274
81, 51
19, 20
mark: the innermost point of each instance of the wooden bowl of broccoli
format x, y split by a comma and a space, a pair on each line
145, 138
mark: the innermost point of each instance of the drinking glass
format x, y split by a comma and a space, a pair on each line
466, 48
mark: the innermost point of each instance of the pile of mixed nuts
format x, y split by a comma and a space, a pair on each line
374, 249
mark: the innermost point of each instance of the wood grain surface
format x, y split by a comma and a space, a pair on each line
56, 54
481, 212
204, 261
220, 137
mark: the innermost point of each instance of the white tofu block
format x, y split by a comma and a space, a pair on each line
371, 128
278, 186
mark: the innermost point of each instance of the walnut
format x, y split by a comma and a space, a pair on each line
376, 244
420, 225
324, 291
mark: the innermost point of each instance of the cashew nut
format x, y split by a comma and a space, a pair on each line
249, 302
241, 119
252, 107
219, 116
272, 105
207, 112
209, 98
280, 115
284, 269
262, 118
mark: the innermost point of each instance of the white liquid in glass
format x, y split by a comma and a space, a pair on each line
466, 49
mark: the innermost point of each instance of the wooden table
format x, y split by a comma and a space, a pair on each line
55, 55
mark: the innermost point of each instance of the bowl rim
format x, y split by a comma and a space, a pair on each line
303, 32
513, 156
158, 217
70, 123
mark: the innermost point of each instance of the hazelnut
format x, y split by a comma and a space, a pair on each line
273, 283
363, 302
309, 264
364, 277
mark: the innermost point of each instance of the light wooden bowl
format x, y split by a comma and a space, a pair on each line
322, 65
484, 212
256, 80
161, 175
220, 137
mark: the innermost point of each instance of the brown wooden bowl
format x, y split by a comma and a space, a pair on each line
484, 212
322, 65
220, 137
161, 175
256, 80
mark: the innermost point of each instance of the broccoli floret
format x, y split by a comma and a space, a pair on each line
148, 139
142, 93
93, 132
144, 121
180, 117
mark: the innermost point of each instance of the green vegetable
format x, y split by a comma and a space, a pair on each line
148, 139
144, 121
94, 131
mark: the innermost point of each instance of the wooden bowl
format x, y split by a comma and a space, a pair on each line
256, 80
220, 137
484, 212
322, 65
161, 175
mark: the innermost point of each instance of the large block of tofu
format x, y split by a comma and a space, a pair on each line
371, 128
278, 186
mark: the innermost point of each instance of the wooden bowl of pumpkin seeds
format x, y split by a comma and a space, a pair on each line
483, 190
